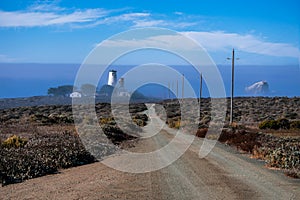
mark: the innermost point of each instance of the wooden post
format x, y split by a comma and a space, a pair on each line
177, 89
232, 87
182, 86
200, 95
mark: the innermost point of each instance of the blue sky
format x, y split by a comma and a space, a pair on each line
262, 32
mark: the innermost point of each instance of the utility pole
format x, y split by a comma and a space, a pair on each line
232, 86
177, 89
182, 86
200, 95
169, 89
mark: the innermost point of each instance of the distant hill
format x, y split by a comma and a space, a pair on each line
34, 101
60, 100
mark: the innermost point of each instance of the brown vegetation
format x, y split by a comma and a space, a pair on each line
267, 128
35, 141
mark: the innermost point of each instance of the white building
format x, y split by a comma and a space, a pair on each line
124, 94
75, 95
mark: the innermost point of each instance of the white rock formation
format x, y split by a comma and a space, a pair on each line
261, 87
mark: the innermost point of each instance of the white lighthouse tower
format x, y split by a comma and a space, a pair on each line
112, 78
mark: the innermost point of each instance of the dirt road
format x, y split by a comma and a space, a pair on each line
223, 174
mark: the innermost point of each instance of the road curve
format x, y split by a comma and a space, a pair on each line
223, 174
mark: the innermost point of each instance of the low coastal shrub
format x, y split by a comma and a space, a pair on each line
295, 125
294, 173
291, 115
269, 124
226, 135
53, 142
245, 140
282, 123
43, 154
140, 119
174, 123
281, 153
139, 122
14, 141
285, 157
201, 132
271, 113
107, 120
53, 118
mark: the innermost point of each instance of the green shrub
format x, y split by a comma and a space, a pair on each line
107, 120
140, 119
177, 124
295, 125
292, 115
285, 157
277, 124
283, 123
269, 124
14, 141
174, 123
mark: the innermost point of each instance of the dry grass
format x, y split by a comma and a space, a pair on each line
279, 148
35, 141
47, 150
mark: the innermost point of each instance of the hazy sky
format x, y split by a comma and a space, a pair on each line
262, 32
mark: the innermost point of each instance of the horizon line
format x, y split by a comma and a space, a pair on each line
130, 64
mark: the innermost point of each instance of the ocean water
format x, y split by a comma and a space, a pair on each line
25, 80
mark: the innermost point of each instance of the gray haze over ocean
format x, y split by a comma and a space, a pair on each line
25, 80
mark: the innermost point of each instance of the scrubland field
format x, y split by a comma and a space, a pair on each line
266, 128
40, 140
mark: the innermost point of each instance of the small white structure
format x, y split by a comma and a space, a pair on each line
121, 83
124, 94
75, 95
112, 78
